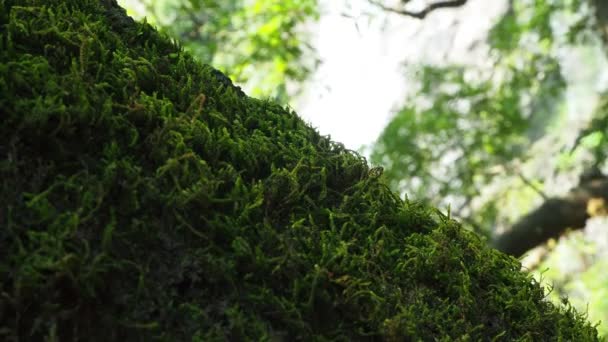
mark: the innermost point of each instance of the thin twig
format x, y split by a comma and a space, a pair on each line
531, 185
421, 14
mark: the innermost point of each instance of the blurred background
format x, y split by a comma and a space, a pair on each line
494, 111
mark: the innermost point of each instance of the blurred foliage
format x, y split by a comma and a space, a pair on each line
594, 138
576, 270
465, 125
490, 141
448, 150
261, 44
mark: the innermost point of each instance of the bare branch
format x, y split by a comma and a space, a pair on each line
421, 14
552, 218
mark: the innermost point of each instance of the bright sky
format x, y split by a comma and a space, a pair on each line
353, 92
361, 80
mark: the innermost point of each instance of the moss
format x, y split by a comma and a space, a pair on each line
144, 197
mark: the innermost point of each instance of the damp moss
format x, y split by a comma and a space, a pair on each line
144, 197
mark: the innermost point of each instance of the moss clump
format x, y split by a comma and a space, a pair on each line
145, 198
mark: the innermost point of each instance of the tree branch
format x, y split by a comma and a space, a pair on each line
421, 14
552, 218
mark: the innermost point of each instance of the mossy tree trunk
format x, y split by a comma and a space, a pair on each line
144, 197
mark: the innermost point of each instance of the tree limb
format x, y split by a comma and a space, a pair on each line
552, 218
421, 14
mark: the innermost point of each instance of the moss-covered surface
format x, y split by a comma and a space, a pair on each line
143, 197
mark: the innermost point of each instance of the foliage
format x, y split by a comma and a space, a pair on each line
577, 270
448, 150
466, 126
594, 138
261, 44
144, 197
486, 141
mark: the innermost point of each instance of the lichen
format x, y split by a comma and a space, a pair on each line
144, 197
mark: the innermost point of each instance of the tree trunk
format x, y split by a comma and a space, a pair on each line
143, 197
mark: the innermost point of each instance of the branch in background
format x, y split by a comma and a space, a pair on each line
421, 14
552, 218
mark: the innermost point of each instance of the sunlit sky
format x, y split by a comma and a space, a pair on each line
361, 80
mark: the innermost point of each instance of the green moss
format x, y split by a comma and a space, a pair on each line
143, 197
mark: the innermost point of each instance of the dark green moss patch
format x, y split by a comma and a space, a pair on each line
144, 197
